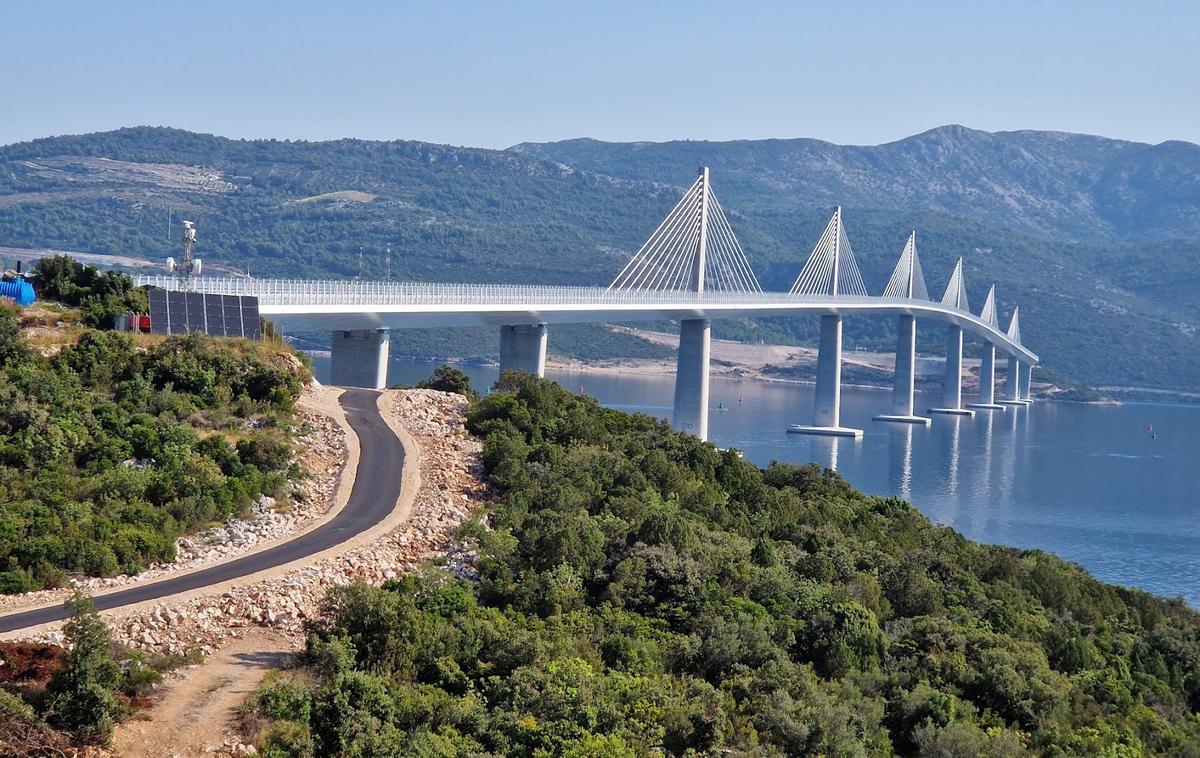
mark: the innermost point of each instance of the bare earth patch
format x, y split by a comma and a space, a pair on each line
196, 711
353, 196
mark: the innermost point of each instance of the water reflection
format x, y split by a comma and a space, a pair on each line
984, 422
955, 433
900, 459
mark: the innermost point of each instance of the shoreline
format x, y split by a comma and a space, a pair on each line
769, 362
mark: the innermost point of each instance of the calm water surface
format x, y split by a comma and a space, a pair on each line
1086, 482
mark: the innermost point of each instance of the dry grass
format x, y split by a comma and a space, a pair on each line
44, 313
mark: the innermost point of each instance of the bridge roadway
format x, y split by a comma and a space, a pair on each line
314, 306
377, 487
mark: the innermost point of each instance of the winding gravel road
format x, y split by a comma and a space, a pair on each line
376, 489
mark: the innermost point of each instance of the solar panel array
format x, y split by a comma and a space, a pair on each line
173, 312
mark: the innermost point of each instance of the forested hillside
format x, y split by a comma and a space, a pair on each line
1038, 214
1069, 187
112, 446
643, 593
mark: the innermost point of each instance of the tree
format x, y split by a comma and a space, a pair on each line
84, 701
56, 276
449, 379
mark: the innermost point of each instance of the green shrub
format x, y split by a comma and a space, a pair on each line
642, 593
449, 379
84, 702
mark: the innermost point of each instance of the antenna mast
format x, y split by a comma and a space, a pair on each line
189, 266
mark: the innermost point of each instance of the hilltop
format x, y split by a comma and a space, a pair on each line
1068, 187
1095, 239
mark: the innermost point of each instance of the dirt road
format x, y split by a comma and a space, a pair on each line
197, 712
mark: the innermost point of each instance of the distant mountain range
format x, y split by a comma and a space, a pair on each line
1059, 185
1096, 239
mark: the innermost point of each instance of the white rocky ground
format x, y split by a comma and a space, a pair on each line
451, 489
322, 451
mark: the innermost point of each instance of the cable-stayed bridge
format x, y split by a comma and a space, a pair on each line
691, 269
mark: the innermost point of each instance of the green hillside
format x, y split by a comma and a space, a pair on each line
1094, 308
641, 593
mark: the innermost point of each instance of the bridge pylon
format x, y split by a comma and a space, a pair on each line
955, 297
908, 282
830, 272
694, 250
1020, 373
987, 363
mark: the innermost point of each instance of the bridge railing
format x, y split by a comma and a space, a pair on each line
301, 294
340, 292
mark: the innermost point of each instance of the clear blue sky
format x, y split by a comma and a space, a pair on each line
493, 74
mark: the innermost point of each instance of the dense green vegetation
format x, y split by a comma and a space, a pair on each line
100, 294
54, 698
1097, 308
113, 447
641, 592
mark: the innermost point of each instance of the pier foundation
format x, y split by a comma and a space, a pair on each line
359, 358
827, 408
523, 348
690, 413
952, 387
987, 381
1026, 379
905, 381
1012, 393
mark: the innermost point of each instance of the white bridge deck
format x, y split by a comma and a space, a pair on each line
317, 305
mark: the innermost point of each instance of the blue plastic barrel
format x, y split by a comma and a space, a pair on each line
19, 291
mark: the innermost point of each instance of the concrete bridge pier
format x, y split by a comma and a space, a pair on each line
1012, 395
987, 381
827, 411
523, 348
906, 362
952, 387
359, 358
690, 413
1026, 379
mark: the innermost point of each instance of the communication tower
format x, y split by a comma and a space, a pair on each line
189, 266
